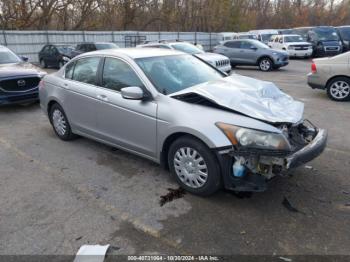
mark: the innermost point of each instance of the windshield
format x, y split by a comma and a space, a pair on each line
170, 74
326, 34
106, 46
187, 48
293, 38
345, 33
266, 37
8, 57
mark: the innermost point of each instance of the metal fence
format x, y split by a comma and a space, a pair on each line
29, 43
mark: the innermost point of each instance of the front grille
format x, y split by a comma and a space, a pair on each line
301, 47
222, 63
332, 48
19, 84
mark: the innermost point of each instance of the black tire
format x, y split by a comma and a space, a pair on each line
338, 89
213, 181
67, 134
43, 63
265, 64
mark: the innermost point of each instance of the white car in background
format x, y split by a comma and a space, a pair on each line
219, 61
295, 45
264, 35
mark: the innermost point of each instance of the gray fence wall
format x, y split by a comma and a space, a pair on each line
29, 43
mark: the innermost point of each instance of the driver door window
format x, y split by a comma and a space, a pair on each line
118, 74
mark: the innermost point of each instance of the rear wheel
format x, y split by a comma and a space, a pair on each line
60, 123
265, 64
194, 166
339, 89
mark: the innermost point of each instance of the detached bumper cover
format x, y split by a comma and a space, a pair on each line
309, 152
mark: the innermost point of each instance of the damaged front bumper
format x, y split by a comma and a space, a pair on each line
261, 168
309, 152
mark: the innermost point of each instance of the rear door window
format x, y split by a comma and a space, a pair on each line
233, 44
85, 70
69, 70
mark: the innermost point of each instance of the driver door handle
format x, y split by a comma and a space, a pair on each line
103, 97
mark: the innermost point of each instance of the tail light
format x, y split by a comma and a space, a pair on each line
313, 67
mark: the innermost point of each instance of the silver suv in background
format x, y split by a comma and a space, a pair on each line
210, 129
254, 53
219, 61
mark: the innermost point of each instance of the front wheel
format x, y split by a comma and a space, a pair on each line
43, 63
60, 64
194, 166
60, 123
265, 64
339, 89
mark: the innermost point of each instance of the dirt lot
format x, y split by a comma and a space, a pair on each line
56, 196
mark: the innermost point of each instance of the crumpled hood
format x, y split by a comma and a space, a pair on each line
254, 98
19, 69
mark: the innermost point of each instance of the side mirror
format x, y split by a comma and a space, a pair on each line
24, 58
253, 48
132, 93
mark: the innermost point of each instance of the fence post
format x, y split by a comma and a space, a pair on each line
113, 36
84, 37
210, 41
195, 36
47, 37
5, 39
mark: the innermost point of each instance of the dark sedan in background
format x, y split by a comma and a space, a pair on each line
55, 55
92, 46
19, 80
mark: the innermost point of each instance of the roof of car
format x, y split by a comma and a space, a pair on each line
137, 52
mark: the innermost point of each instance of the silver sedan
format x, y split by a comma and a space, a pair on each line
210, 129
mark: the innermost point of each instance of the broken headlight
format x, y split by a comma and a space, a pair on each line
250, 138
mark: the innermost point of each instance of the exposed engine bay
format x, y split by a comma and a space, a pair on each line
270, 164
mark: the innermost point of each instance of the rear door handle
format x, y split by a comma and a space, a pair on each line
102, 97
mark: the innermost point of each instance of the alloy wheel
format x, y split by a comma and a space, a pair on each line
59, 122
340, 90
265, 65
190, 167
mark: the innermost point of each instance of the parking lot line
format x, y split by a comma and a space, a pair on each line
112, 210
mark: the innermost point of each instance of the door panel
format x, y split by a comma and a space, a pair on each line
131, 124
247, 55
80, 101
